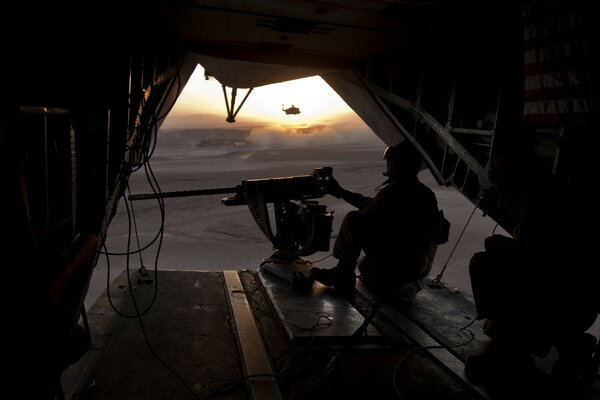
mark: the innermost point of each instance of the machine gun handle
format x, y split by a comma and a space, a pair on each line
323, 176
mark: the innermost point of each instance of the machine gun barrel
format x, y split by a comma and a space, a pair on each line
301, 229
297, 187
184, 193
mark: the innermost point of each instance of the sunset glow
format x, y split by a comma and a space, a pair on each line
318, 103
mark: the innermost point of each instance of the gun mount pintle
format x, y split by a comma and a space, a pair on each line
302, 225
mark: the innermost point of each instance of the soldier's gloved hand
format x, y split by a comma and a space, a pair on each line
333, 188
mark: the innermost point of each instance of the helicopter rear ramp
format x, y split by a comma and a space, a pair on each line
224, 334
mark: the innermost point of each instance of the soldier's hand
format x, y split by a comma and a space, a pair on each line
333, 188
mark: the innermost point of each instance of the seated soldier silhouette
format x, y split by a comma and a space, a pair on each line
538, 288
395, 230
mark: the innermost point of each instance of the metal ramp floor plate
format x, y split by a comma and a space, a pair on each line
317, 314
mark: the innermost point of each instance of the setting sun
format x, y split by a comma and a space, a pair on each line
316, 101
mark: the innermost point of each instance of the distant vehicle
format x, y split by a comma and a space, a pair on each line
291, 110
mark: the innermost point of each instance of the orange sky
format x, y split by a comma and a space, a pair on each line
319, 105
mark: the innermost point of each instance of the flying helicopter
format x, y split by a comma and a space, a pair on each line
293, 110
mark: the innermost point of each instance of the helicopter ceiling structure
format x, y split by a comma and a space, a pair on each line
458, 79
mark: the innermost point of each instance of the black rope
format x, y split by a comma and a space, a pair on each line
437, 282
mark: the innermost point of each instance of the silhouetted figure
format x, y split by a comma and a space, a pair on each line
394, 229
538, 288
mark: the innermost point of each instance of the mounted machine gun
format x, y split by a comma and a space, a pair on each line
302, 226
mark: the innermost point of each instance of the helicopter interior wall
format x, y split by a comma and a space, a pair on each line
347, 85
